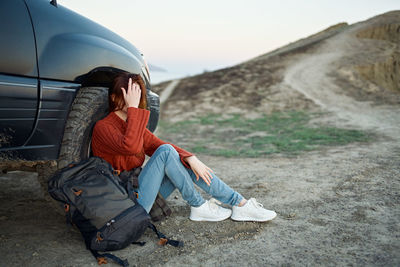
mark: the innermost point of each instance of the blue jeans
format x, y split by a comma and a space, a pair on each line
164, 172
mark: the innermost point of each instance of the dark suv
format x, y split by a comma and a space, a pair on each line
55, 69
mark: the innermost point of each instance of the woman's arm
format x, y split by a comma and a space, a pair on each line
108, 138
200, 169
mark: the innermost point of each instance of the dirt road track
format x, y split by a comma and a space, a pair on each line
312, 76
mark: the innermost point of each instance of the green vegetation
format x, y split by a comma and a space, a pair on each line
235, 136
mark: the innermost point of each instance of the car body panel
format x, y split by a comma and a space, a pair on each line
17, 109
55, 100
18, 50
18, 74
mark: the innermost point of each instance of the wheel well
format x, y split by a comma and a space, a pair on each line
101, 76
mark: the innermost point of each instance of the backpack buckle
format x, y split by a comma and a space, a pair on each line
101, 260
78, 192
163, 241
99, 238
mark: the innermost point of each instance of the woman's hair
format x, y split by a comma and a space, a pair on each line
116, 99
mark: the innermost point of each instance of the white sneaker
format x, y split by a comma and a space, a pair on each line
209, 211
252, 211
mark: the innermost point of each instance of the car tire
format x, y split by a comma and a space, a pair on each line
89, 106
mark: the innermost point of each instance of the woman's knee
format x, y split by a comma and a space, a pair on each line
166, 148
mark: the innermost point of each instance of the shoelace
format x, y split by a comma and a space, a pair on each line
213, 204
257, 204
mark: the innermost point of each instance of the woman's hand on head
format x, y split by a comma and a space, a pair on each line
200, 169
132, 95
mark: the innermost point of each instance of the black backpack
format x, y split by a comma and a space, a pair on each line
103, 208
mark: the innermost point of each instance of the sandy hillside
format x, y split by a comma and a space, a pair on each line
336, 206
367, 67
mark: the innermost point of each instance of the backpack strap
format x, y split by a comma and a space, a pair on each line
131, 192
139, 243
101, 258
165, 240
126, 180
68, 214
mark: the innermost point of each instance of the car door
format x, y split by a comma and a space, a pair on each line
18, 75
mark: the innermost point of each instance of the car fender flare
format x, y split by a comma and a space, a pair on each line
70, 56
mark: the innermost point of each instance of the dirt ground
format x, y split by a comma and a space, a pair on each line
335, 206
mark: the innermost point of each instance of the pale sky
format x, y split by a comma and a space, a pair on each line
192, 36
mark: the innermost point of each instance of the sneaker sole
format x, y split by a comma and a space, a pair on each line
247, 219
208, 220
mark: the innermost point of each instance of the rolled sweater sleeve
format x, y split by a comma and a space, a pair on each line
128, 143
152, 142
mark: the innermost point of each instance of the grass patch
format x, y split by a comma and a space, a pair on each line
235, 136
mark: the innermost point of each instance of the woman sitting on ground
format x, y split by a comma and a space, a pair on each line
123, 140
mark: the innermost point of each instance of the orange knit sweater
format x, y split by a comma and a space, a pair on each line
124, 144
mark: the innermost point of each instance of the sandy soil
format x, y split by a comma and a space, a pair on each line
336, 206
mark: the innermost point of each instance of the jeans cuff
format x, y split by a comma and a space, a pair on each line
238, 199
196, 206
